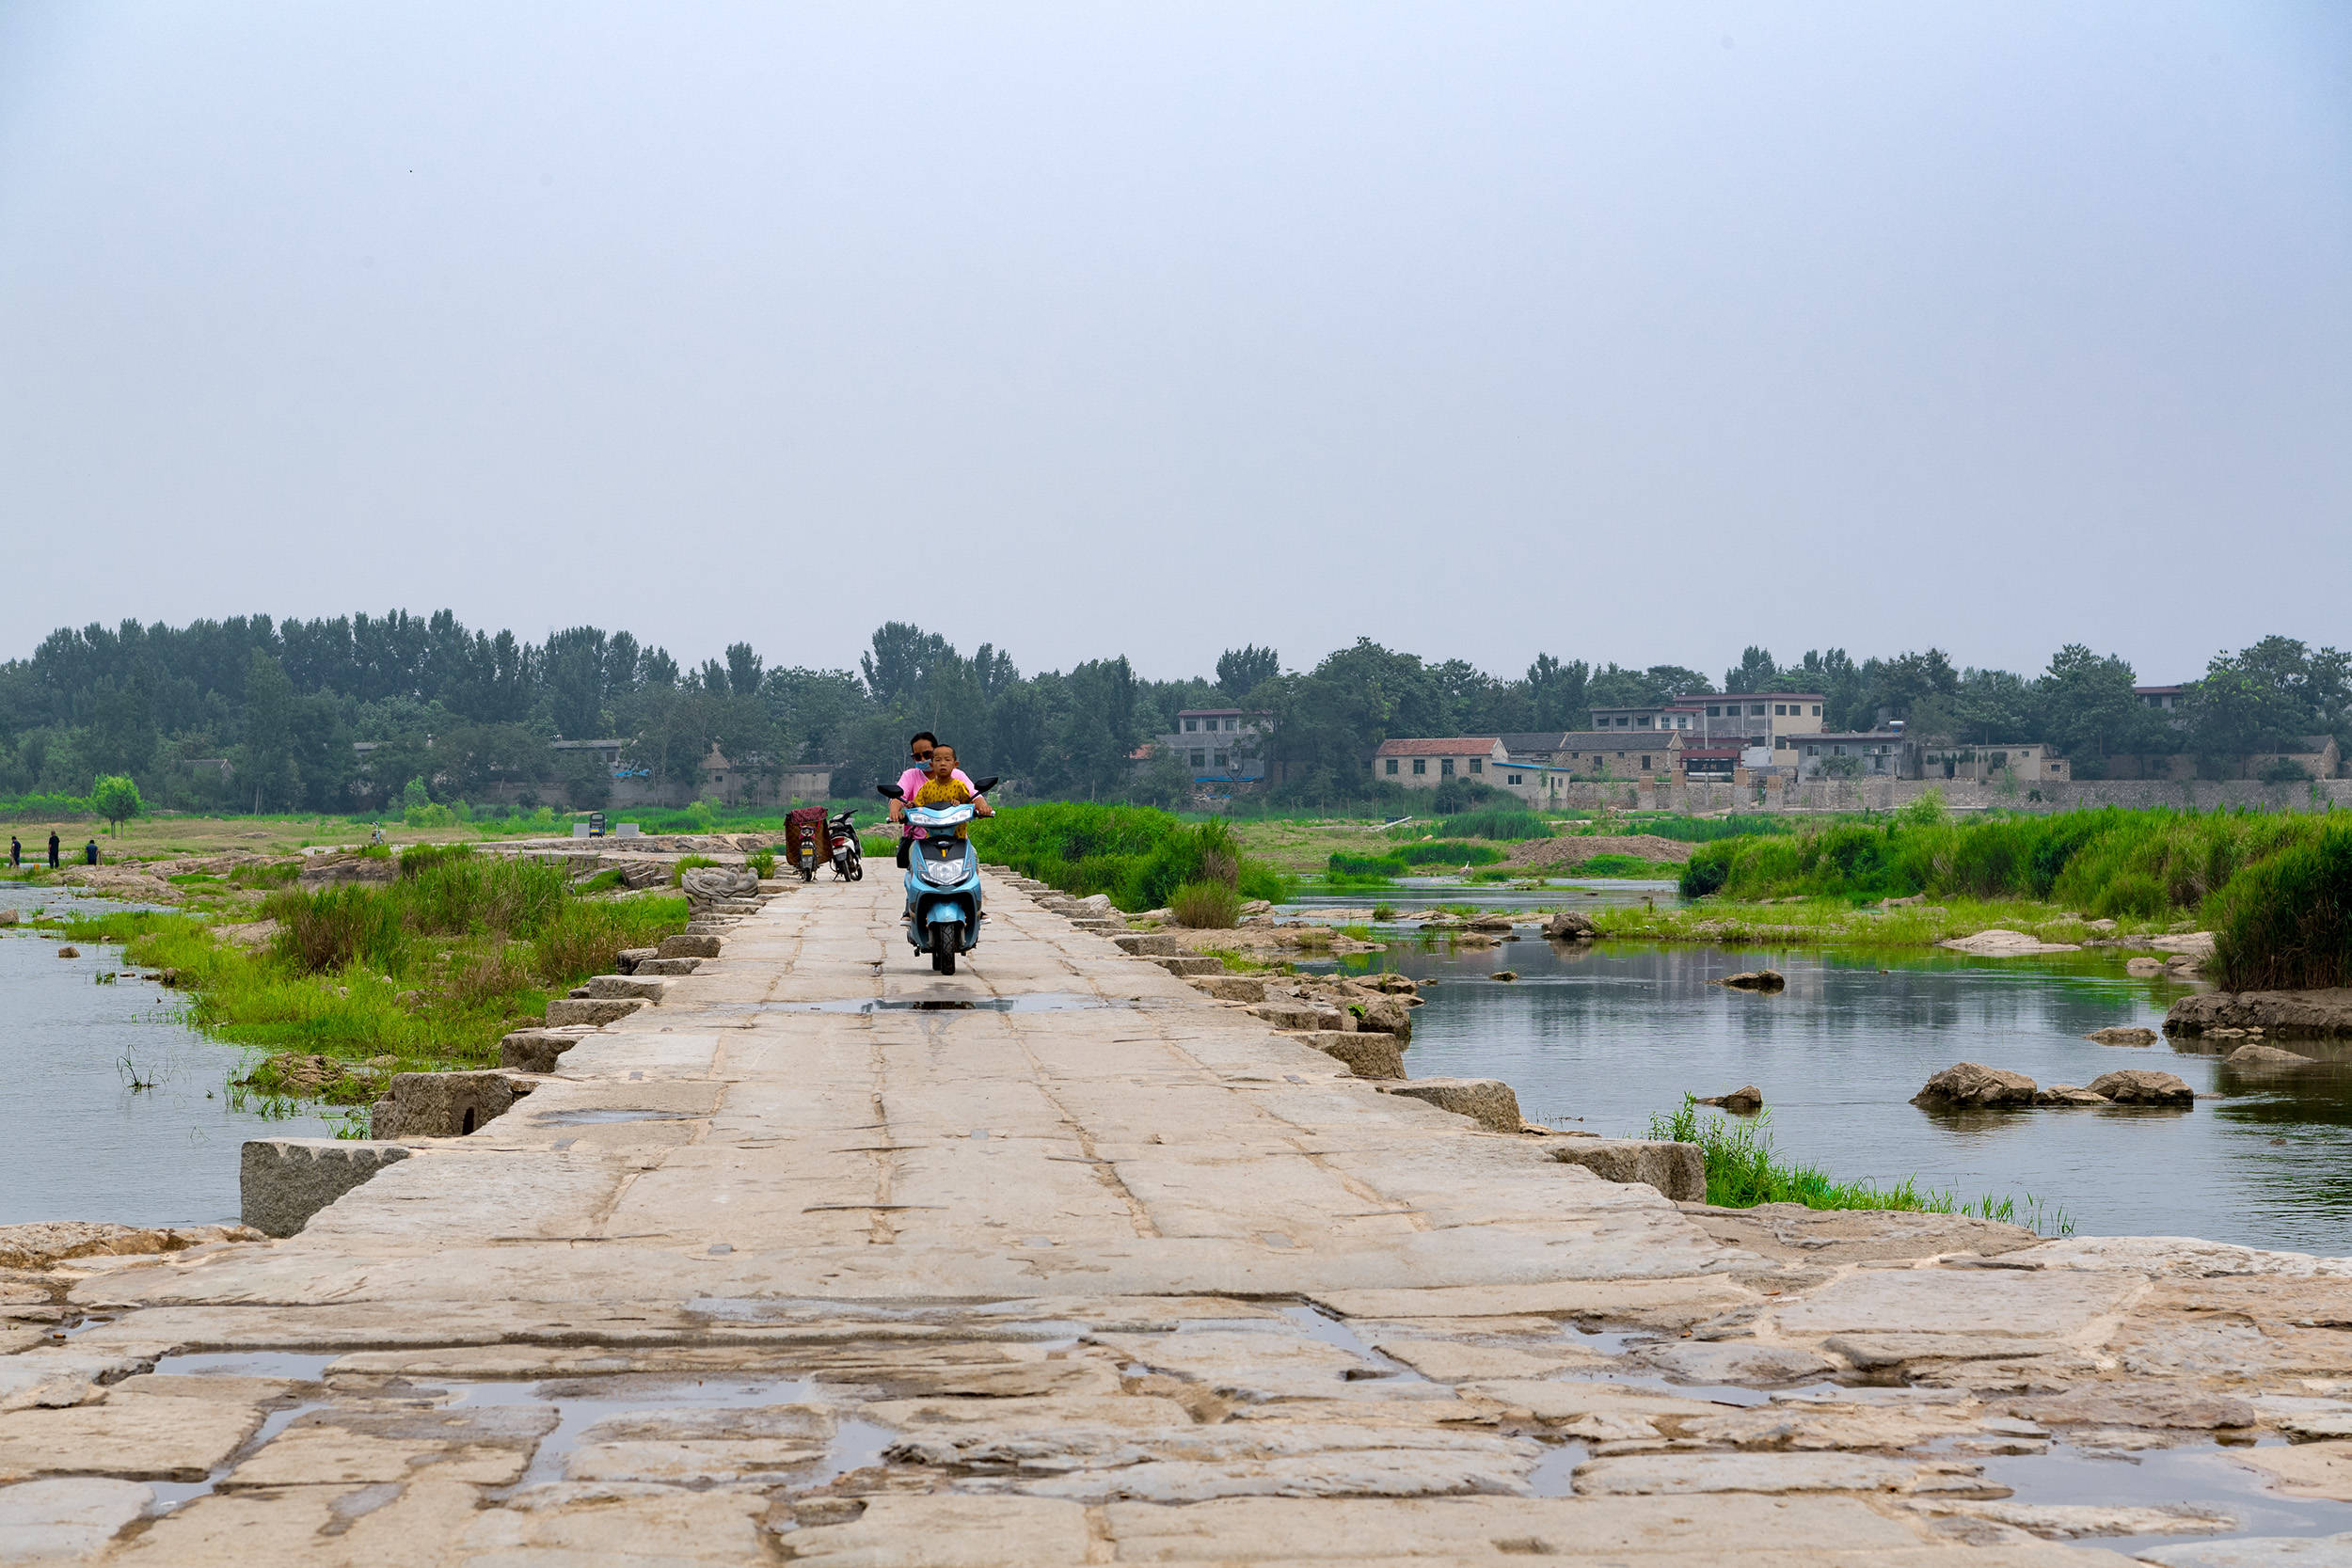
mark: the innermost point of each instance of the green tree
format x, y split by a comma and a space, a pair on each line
2085, 705
116, 798
1242, 670
2266, 697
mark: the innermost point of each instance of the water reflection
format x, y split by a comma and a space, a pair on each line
77, 1141
1599, 1036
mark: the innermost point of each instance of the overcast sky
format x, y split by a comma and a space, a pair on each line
1636, 332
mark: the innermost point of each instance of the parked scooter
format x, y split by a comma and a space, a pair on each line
848, 856
942, 910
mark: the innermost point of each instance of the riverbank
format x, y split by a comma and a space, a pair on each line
343, 984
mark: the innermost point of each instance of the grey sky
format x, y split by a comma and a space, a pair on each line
1632, 332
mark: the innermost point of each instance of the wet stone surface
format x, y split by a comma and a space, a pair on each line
757, 1275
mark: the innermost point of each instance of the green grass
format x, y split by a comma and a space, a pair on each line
2285, 923
1138, 855
2275, 887
1623, 866
1823, 922
1503, 822
1743, 1169
430, 969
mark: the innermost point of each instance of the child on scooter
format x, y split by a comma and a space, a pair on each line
942, 787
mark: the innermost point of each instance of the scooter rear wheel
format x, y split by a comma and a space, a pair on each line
946, 937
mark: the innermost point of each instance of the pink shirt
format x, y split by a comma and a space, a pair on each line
911, 780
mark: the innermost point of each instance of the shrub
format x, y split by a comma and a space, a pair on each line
1138, 855
333, 928
2286, 924
763, 864
1206, 906
2276, 770
689, 862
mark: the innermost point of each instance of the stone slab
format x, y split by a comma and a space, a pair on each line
591, 1010
1675, 1169
282, 1181
1488, 1101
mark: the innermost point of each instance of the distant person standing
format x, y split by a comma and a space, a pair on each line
16, 851
53, 848
90, 853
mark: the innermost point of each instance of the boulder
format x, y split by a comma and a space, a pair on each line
1099, 905
1495, 924
1678, 1170
2143, 1087
1488, 1101
443, 1104
2143, 969
2290, 1014
69, 951
1755, 979
1999, 943
2259, 1056
684, 946
1970, 1085
1385, 1016
1568, 925
1506, 975
282, 1181
2068, 1094
1743, 1100
2118, 1035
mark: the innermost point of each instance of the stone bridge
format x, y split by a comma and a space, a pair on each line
819, 1256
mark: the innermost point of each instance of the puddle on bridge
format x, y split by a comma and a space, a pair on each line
1041, 1002
599, 1118
2201, 1475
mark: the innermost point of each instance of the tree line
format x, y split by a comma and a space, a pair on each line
252, 714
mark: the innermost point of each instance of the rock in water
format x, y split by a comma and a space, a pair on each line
1999, 943
1970, 1083
2143, 1087
2264, 1056
1756, 979
2118, 1035
1506, 973
1743, 1100
2067, 1094
1568, 925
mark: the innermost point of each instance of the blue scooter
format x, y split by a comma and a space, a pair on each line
943, 880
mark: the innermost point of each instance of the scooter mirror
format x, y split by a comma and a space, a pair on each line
891, 790
982, 786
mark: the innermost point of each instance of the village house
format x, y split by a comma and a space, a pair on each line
1218, 747
1427, 764
1679, 714
1874, 753
2027, 761
1538, 767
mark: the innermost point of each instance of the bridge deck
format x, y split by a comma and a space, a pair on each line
1092, 1269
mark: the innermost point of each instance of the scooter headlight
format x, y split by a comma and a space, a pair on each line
948, 868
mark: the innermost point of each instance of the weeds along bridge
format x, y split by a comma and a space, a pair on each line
816, 1256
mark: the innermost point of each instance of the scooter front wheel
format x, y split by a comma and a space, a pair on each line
946, 937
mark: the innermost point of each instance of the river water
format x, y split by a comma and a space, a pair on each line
1599, 1037
77, 1141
